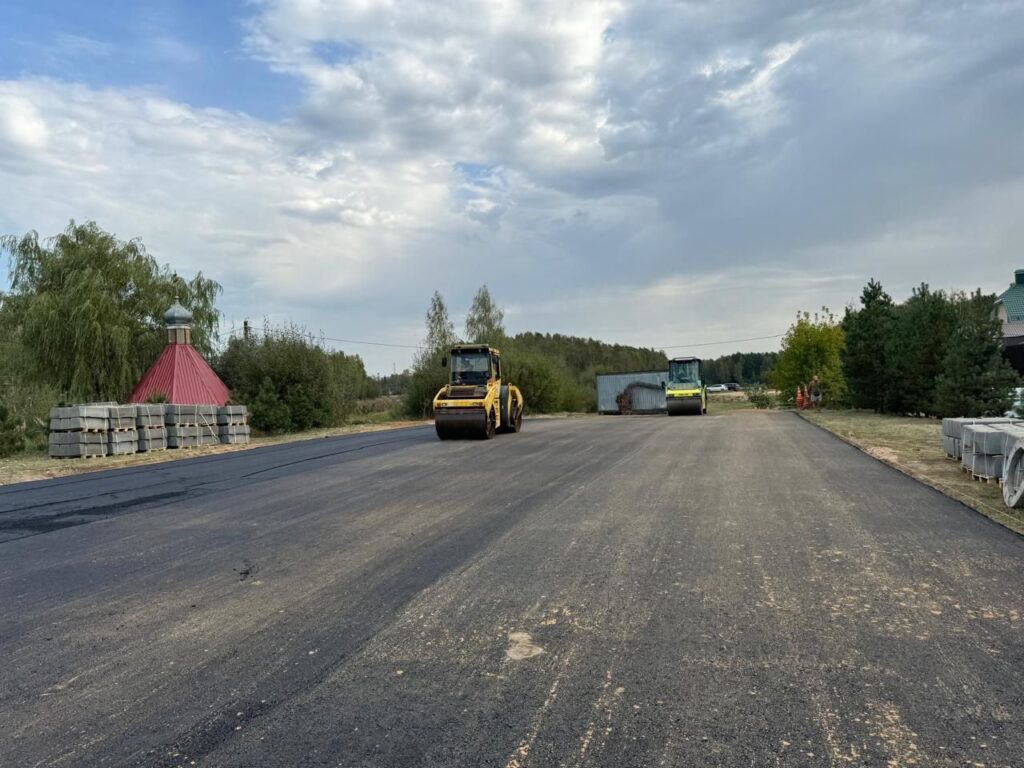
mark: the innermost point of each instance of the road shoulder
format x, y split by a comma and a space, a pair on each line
914, 447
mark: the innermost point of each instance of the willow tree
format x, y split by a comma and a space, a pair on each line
87, 309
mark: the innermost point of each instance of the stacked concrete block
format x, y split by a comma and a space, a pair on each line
208, 430
122, 436
149, 422
953, 433
189, 426
182, 425
78, 431
232, 424
986, 445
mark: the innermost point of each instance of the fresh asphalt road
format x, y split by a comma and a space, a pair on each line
742, 590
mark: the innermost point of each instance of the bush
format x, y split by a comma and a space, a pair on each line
269, 413
290, 382
426, 379
760, 397
12, 438
538, 377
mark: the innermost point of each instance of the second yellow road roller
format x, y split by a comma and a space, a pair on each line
685, 393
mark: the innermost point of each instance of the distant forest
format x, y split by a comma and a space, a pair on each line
740, 367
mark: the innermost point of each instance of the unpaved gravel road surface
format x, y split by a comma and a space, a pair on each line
743, 590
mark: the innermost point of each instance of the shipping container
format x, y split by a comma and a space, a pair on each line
649, 398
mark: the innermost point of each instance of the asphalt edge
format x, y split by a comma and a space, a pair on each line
1001, 519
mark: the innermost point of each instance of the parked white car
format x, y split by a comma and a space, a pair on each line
718, 388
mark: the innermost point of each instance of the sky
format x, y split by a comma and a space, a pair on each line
673, 174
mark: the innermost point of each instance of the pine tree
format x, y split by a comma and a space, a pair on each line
484, 323
864, 356
916, 351
976, 380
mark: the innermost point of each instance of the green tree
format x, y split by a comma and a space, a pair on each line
87, 309
440, 328
290, 380
812, 347
485, 321
916, 351
741, 367
428, 376
976, 379
11, 433
865, 363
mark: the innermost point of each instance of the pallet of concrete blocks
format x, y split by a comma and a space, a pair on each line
189, 426
973, 447
78, 431
232, 424
182, 425
953, 433
208, 431
985, 447
122, 436
149, 421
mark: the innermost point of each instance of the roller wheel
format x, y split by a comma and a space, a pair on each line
489, 428
517, 422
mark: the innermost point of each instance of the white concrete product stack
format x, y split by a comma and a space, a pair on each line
952, 432
149, 421
78, 431
208, 430
232, 424
182, 425
981, 445
122, 435
983, 451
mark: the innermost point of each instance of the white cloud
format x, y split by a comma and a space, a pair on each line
651, 161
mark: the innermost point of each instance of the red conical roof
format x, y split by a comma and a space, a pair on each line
182, 376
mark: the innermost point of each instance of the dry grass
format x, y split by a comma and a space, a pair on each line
914, 446
728, 402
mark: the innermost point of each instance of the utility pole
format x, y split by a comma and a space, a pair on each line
245, 330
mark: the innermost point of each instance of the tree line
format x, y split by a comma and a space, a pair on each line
555, 372
936, 354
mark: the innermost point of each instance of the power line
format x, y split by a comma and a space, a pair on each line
371, 343
726, 341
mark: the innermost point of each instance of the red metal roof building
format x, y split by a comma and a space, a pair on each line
180, 374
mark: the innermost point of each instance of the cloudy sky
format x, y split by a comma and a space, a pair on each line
653, 172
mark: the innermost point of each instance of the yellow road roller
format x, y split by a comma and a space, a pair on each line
685, 393
475, 403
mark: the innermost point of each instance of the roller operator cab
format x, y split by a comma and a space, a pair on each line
685, 392
476, 403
